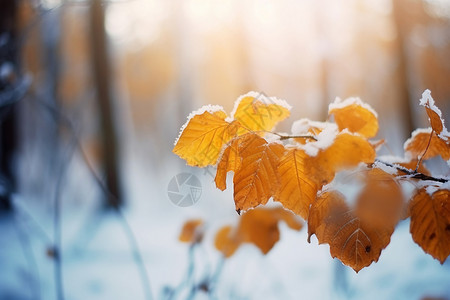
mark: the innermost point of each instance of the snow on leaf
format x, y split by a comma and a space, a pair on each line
356, 116
296, 190
257, 178
348, 150
358, 234
418, 143
192, 231
203, 137
434, 115
430, 222
256, 112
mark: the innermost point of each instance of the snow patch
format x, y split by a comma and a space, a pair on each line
324, 139
206, 108
392, 170
260, 97
339, 104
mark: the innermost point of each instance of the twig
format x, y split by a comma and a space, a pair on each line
413, 174
57, 232
29, 257
424, 152
286, 137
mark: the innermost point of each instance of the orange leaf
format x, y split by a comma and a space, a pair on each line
203, 137
357, 235
297, 191
192, 231
430, 222
257, 226
230, 161
356, 116
434, 113
347, 150
257, 179
417, 144
225, 241
256, 112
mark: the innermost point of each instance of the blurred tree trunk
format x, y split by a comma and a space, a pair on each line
399, 7
9, 77
102, 80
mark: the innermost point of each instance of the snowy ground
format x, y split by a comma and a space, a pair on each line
98, 264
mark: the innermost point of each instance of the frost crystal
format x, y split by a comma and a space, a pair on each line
339, 104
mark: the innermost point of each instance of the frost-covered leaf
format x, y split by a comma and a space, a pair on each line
203, 137
257, 178
434, 115
256, 112
420, 141
297, 190
430, 222
354, 115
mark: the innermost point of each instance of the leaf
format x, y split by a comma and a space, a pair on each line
354, 115
256, 112
192, 231
201, 141
348, 150
434, 114
260, 226
430, 222
225, 241
230, 161
357, 235
417, 144
297, 191
257, 179
257, 226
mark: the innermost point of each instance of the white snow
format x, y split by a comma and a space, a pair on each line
206, 108
339, 104
428, 101
324, 139
387, 169
260, 97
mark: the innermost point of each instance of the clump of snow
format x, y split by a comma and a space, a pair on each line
428, 101
339, 104
260, 97
206, 108
324, 139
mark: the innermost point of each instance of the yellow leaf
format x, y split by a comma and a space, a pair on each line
256, 112
434, 113
356, 116
230, 161
297, 191
430, 222
257, 178
201, 141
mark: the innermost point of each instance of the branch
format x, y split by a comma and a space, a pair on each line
413, 174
